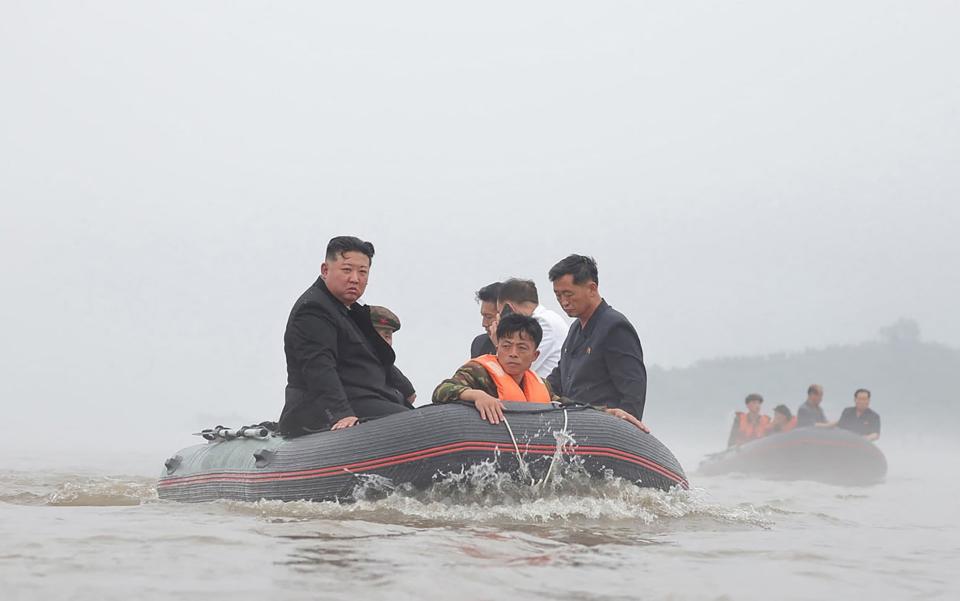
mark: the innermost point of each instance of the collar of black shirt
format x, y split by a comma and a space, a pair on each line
600, 310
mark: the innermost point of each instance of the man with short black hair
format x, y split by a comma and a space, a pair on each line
338, 368
810, 413
861, 419
521, 296
487, 297
488, 380
601, 362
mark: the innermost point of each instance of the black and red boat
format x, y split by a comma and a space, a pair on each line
416, 448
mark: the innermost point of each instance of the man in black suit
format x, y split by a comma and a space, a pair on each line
338, 368
601, 362
487, 297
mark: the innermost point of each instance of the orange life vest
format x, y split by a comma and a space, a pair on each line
749, 431
790, 425
534, 389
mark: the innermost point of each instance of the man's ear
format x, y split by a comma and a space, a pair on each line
536, 354
324, 269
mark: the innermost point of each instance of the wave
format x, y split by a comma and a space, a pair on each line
481, 494
71, 490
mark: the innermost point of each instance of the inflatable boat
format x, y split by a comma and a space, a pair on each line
829, 455
415, 448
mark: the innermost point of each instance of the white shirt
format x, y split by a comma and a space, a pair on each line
554, 333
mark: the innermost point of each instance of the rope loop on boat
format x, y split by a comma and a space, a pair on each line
516, 447
553, 460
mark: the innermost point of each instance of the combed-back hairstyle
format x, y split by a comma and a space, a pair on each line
783, 410
753, 397
859, 390
489, 293
814, 388
340, 245
516, 323
518, 291
582, 268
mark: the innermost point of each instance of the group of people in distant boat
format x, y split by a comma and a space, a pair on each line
341, 366
752, 424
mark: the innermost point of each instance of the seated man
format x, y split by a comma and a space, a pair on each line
750, 425
861, 419
483, 343
783, 420
338, 368
386, 322
601, 362
487, 380
810, 412
506, 376
521, 296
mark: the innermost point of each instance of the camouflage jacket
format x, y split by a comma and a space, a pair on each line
472, 376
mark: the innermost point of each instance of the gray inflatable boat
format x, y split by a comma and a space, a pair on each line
415, 448
829, 455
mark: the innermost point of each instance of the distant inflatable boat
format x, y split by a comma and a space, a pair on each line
826, 455
416, 448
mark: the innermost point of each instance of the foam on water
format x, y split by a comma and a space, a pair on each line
104, 491
482, 494
69, 490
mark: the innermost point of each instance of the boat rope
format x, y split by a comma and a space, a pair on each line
516, 447
556, 454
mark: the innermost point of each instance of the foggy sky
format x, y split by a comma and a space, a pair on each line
751, 177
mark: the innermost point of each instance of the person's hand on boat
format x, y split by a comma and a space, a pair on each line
490, 408
629, 417
346, 422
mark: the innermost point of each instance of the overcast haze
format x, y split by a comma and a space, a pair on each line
751, 177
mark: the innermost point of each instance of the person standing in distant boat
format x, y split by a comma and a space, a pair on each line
601, 361
521, 296
810, 412
750, 425
861, 419
338, 368
487, 297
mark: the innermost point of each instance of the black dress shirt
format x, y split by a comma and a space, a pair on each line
482, 345
864, 424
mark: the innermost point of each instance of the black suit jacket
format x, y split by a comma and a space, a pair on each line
334, 356
602, 364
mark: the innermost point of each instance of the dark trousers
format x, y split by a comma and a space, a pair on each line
372, 408
304, 420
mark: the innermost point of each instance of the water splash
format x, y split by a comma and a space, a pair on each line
104, 491
482, 494
489, 493
78, 490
